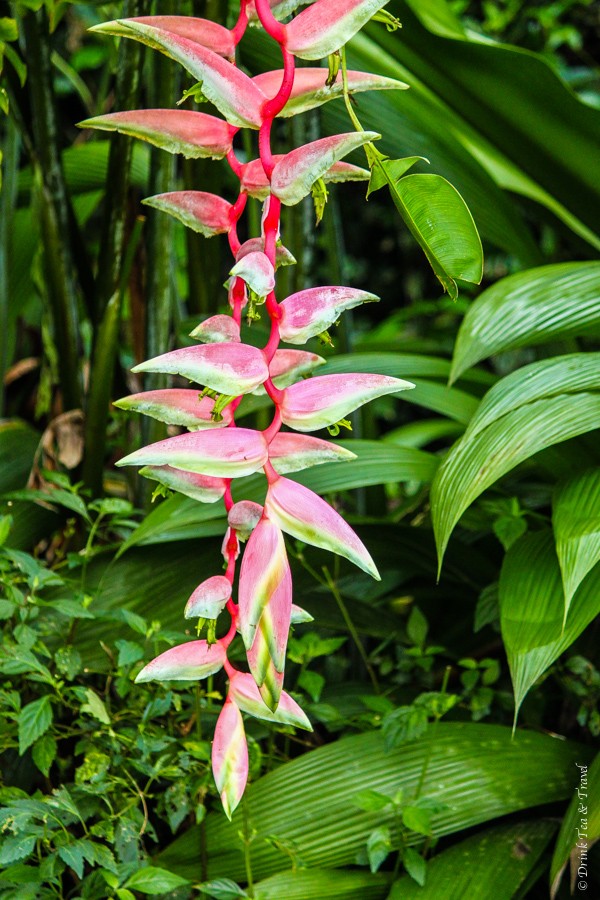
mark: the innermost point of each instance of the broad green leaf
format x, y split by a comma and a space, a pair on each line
95, 707
576, 523
326, 884
16, 847
34, 720
393, 171
477, 461
44, 753
73, 855
584, 805
415, 865
546, 378
55, 496
439, 220
308, 804
492, 863
379, 846
18, 443
532, 307
506, 106
153, 880
419, 434
86, 166
222, 889
532, 610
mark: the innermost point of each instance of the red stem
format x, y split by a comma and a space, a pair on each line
237, 32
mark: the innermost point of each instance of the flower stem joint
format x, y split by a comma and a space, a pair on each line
203, 462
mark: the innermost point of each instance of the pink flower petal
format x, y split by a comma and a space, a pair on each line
193, 134
176, 406
202, 31
283, 257
257, 271
243, 517
217, 330
304, 515
230, 757
209, 598
326, 399
246, 696
310, 87
289, 452
311, 312
186, 662
295, 174
288, 366
226, 453
232, 92
229, 368
280, 8
325, 26
207, 214
264, 578
199, 487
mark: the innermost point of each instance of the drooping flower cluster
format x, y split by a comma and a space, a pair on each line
202, 462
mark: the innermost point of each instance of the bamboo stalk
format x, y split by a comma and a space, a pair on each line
10, 163
55, 208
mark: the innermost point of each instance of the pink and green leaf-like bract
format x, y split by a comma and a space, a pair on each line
202, 462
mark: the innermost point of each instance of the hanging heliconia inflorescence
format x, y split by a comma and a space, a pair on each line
203, 462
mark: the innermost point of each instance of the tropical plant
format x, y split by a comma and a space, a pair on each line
434, 708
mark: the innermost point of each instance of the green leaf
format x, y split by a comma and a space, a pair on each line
44, 753
415, 865
95, 707
222, 889
576, 523
18, 443
545, 378
532, 307
34, 720
463, 760
492, 863
478, 460
153, 880
439, 220
312, 683
393, 170
532, 610
379, 845
371, 801
8, 29
335, 884
417, 819
73, 855
582, 817
55, 496
417, 627
503, 112
16, 847
129, 652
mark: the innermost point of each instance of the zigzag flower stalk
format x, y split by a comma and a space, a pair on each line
202, 462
